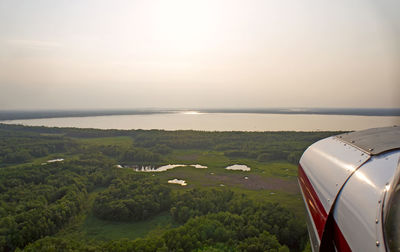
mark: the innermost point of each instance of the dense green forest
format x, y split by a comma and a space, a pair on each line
84, 202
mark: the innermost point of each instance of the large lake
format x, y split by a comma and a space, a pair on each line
219, 122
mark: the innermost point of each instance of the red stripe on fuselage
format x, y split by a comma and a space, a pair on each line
340, 242
315, 206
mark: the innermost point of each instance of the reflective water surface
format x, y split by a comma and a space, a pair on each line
237, 167
219, 122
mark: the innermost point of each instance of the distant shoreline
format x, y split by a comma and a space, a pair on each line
25, 114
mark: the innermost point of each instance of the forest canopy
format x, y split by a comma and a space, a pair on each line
39, 200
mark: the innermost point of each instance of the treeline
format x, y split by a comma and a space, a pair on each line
200, 202
132, 154
132, 197
38, 200
149, 146
209, 218
236, 224
262, 146
18, 114
19, 147
245, 218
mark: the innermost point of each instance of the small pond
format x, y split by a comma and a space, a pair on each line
53, 161
149, 168
237, 167
177, 181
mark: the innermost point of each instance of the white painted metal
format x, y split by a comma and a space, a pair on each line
358, 208
391, 213
328, 163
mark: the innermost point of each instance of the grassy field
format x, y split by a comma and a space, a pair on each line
93, 228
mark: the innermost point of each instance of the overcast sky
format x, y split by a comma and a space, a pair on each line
184, 54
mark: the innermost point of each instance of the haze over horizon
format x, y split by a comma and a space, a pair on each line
199, 54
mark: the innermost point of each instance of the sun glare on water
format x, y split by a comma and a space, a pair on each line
192, 113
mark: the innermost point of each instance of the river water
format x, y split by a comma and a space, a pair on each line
219, 122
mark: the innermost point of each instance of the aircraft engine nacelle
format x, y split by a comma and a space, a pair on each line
351, 190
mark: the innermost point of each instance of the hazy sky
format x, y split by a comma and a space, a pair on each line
179, 53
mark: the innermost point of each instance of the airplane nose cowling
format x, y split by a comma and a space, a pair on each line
344, 188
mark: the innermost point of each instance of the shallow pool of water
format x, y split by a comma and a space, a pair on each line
177, 181
237, 167
149, 168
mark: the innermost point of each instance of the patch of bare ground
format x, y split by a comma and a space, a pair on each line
255, 182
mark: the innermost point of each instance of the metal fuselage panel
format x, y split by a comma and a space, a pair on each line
327, 164
316, 215
374, 141
348, 183
358, 208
